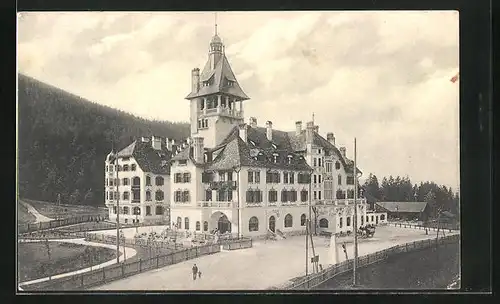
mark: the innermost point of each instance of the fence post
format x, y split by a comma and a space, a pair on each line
82, 280
140, 265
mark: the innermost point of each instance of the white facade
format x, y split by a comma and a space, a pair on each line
143, 196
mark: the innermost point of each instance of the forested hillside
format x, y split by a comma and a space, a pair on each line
63, 140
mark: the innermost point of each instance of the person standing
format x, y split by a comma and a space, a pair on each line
195, 271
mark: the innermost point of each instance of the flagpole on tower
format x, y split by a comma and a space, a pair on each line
215, 23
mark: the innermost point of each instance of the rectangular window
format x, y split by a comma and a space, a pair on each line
319, 179
257, 177
284, 195
208, 195
206, 177
230, 175
222, 176
273, 196
125, 167
178, 196
319, 162
285, 177
319, 195
250, 177
314, 162
315, 195
303, 196
178, 178
133, 167
314, 179
350, 180
292, 177
187, 177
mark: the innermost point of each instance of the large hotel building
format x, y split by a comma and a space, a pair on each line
231, 175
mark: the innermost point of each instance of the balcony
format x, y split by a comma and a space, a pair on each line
205, 204
221, 111
340, 202
254, 204
222, 185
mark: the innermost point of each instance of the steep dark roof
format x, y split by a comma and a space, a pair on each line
149, 159
234, 152
409, 207
221, 72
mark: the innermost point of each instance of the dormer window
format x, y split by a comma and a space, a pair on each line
275, 158
290, 159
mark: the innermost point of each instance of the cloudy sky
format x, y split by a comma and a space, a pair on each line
383, 77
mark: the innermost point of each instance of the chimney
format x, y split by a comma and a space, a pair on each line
156, 142
198, 149
168, 144
342, 151
330, 138
269, 130
243, 132
195, 80
298, 127
253, 122
309, 132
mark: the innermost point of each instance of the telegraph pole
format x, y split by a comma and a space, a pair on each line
355, 262
117, 213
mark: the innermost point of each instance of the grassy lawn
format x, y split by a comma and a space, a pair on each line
428, 268
23, 216
64, 211
33, 261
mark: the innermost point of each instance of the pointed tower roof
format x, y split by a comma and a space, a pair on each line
217, 75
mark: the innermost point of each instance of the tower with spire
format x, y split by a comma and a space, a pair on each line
216, 97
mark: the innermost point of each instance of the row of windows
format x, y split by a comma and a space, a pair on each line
159, 210
207, 177
255, 196
178, 225
253, 222
132, 167
202, 123
182, 177
136, 181
136, 195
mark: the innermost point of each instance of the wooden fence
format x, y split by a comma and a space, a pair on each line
122, 270
26, 228
449, 228
314, 280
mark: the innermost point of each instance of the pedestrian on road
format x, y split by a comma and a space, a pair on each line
199, 274
195, 271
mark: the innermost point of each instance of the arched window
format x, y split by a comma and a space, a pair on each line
159, 181
125, 167
337, 165
253, 224
159, 210
179, 222
148, 180
198, 226
125, 210
205, 226
348, 221
340, 222
382, 217
137, 211
133, 167
288, 221
323, 223
148, 195
148, 210
159, 195
303, 220
186, 223
136, 181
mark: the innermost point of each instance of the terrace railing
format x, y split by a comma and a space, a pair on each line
26, 228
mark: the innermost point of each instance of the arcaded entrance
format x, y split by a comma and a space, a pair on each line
220, 222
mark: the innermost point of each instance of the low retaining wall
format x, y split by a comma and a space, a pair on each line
311, 281
421, 227
122, 270
238, 244
26, 228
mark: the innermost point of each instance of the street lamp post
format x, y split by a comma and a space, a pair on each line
356, 176
237, 170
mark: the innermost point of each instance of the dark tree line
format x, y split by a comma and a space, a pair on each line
64, 139
401, 189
